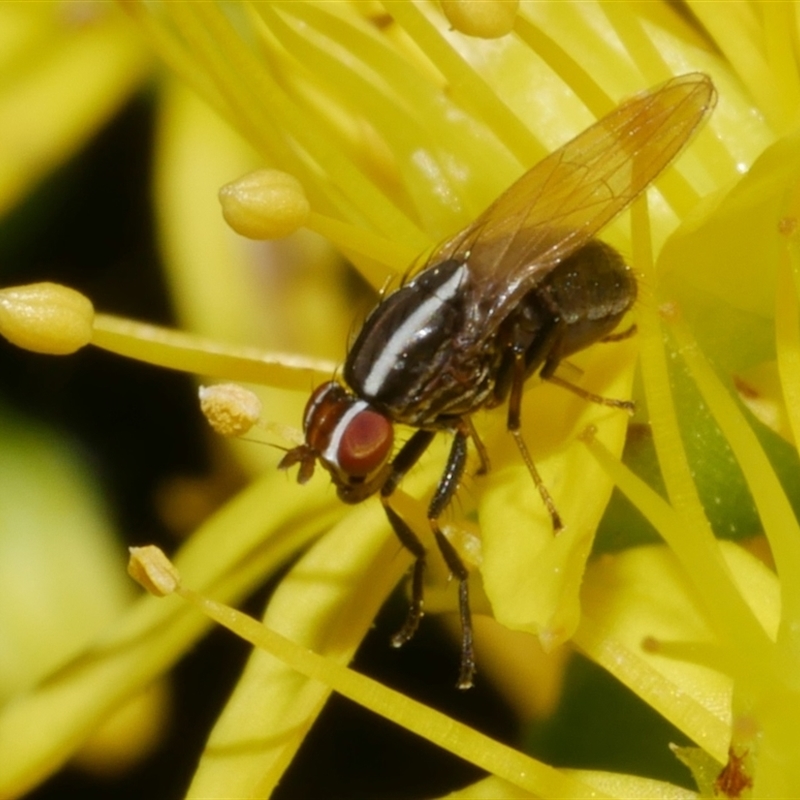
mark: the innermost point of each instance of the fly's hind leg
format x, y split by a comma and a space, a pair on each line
532, 343
611, 402
622, 335
548, 374
483, 455
553, 359
514, 425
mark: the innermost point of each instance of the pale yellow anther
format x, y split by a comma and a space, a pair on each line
266, 204
46, 318
231, 410
152, 570
486, 19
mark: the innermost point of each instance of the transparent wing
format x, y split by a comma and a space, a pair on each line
560, 203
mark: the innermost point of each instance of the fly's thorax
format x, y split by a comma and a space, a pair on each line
420, 354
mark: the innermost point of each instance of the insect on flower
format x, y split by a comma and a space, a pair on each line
513, 294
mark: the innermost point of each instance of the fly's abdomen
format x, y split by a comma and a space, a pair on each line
589, 293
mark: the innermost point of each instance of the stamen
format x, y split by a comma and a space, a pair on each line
188, 353
265, 204
230, 409
150, 568
486, 19
46, 318
505, 762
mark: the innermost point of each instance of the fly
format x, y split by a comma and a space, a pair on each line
513, 294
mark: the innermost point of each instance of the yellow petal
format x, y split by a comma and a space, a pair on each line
531, 576
721, 265
326, 603
641, 595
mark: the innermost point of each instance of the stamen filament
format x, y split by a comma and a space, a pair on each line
689, 534
787, 333
468, 87
777, 517
187, 353
354, 239
731, 26
455, 737
565, 66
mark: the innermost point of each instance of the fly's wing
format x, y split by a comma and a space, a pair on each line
560, 203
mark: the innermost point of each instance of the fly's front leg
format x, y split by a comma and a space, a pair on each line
445, 490
408, 456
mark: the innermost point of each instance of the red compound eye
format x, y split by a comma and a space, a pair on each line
365, 443
351, 439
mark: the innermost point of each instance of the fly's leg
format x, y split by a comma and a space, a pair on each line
411, 542
611, 402
408, 456
532, 345
514, 424
554, 358
483, 455
618, 337
445, 490
547, 374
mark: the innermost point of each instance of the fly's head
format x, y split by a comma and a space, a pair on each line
350, 439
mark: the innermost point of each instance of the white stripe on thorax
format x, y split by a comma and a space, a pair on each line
401, 337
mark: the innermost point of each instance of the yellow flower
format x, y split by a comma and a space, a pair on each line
401, 128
